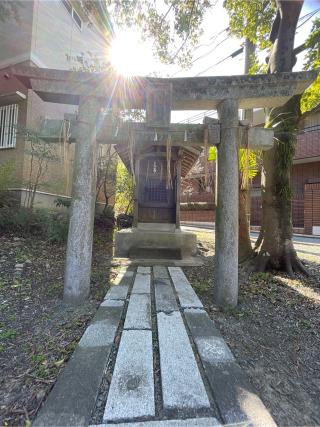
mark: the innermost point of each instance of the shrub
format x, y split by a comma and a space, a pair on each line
62, 202
21, 220
51, 225
124, 221
105, 220
6, 180
197, 206
57, 227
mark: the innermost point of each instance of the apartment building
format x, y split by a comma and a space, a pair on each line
60, 34
305, 180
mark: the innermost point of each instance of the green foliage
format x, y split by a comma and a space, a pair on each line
106, 219
196, 206
8, 334
311, 97
62, 202
256, 67
248, 166
6, 175
6, 181
212, 153
283, 121
124, 190
41, 153
312, 57
56, 227
174, 31
251, 19
248, 163
52, 225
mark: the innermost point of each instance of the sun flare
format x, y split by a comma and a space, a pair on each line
129, 56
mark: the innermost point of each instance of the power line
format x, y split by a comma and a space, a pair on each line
232, 55
308, 16
197, 117
207, 53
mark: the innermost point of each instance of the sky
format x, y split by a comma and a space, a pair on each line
212, 48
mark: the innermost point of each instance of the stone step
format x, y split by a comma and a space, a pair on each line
131, 393
160, 272
120, 286
146, 252
72, 399
237, 401
165, 298
144, 270
187, 296
182, 386
141, 284
139, 312
189, 422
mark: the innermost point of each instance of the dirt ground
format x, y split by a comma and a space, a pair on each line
37, 331
274, 334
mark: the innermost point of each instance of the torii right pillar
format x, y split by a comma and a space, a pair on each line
227, 207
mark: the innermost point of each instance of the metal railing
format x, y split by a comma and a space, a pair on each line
8, 126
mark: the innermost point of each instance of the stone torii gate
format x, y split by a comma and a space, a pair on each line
91, 92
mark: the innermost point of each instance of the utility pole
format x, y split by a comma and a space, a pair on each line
249, 51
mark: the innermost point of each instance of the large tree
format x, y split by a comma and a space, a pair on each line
275, 244
174, 26
277, 250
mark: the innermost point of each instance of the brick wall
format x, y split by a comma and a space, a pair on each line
200, 216
311, 206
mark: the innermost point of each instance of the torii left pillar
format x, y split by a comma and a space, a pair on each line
80, 237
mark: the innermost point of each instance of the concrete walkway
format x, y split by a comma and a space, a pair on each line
152, 357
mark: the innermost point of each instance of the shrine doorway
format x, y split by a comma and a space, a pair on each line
156, 197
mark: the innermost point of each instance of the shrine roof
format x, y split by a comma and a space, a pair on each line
188, 93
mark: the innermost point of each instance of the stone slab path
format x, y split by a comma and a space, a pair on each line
152, 357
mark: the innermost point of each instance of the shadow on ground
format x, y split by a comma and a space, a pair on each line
274, 334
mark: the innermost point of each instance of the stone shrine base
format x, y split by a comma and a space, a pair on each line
154, 241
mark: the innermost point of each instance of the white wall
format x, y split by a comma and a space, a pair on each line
56, 35
15, 37
45, 34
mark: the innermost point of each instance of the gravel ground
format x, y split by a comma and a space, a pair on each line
274, 334
37, 331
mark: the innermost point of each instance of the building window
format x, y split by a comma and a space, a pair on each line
75, 16
8, 126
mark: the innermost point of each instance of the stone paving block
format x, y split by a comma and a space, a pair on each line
120, 286
210, 344
144, 270
131, 393
165, 298
182, 386
139, 312
141, 284
160, 272
189, 422
117, 292
72, 399
237, 401
187, 296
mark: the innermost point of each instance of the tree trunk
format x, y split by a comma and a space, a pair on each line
245, 248
277, 250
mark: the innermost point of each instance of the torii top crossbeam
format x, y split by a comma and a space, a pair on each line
189, 93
